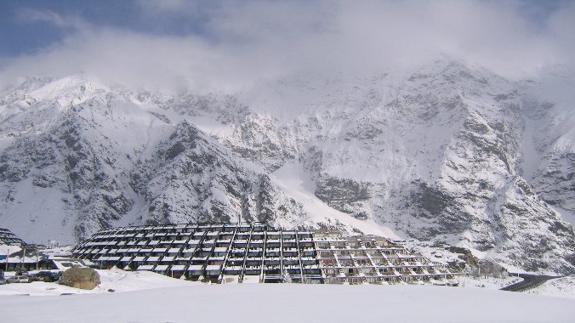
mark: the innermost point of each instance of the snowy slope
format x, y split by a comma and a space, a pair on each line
550, 163
295, 182
560, 287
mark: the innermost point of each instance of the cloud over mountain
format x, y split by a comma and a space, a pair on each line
231, 45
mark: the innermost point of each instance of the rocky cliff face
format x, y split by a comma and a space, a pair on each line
446, 153
191, 177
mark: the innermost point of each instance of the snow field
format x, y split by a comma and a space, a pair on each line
281, 303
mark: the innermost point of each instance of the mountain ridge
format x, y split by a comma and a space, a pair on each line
439, 154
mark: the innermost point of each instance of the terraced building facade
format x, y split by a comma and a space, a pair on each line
9, 238
257, 253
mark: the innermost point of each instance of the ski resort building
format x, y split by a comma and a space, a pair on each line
17, 255
9, 238
257, 253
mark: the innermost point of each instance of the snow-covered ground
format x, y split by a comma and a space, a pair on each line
561, 287
487, 282
291, 303
150, 297
114, 279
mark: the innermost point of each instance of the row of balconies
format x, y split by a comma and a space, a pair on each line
181, 230
194, 256
7, 235
206, 227
347, 264
192, 269
349, 248
143, 257
11, 240
202, 251
239, 241
215, 269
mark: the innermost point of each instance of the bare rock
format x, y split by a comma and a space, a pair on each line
83, 278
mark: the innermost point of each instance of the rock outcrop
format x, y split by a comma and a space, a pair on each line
83, 278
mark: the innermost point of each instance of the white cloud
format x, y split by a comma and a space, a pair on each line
250, 40
28, 15
164, 5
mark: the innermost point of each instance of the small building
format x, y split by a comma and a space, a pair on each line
16, 255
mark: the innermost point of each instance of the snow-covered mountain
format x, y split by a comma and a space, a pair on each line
447, 152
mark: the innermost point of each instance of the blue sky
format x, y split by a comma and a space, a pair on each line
228, 42
21, 35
